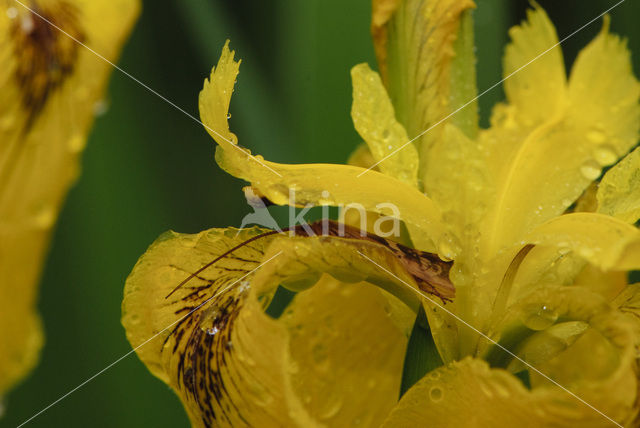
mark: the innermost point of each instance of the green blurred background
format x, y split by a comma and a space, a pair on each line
149, 168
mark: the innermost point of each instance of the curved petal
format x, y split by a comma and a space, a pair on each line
571, 335
50, 88
567, 243
468, 393
315, 184
603, 241
542, 151
333, 357
619, 191
374, 119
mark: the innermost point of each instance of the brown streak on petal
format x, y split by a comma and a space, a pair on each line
46, 57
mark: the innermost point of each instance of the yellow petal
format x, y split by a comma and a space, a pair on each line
628, 302
375, 121
604, 97
333, 357
542, 152
603, 241
470, 394
619, 191
50, 88
315, 184
569, 334
536, 83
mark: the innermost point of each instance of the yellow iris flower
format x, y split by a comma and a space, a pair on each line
50, 87
540, 253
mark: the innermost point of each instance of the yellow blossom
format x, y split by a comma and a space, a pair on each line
51, 86
539, 294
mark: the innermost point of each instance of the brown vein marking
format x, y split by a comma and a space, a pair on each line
45, 56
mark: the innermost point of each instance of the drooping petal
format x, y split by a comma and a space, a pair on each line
374, 119
570, 335
50, 88
333, 357
542, 152
315, 184
619, 191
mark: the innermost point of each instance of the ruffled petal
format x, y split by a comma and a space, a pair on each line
543, 149
314, 184
571, 335
50, 88
333, 357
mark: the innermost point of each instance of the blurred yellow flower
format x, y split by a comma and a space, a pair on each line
540, 254
51, 87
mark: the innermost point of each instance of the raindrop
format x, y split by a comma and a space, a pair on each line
100, 108
228, 116
332, 408
448, 247
605, 154
540, 319
213, 331
26, 24
12, 13
435, 394
596, 136
590, 170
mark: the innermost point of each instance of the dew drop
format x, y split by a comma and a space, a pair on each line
12, 12
228, 116
541, 318
605, 154
100, 108
435, 394
590, 170
596, 136
26, 24
448, 247
213, 331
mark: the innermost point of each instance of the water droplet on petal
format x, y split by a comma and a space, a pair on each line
228, 116
540, 318
605, 154
100, 108
596, 136
12, 12
448, 247
590, 170
435, 394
